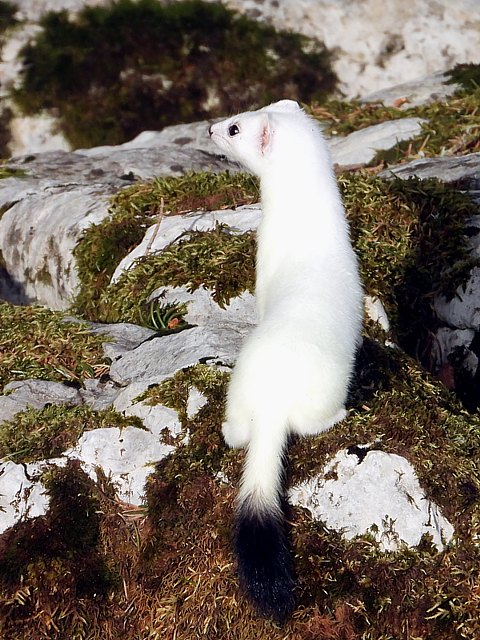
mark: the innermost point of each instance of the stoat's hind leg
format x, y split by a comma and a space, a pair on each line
235, 433
314, 427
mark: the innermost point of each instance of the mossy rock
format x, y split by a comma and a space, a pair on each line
162, 64
409, 236
46, 345
38, 434
450, 128
133, 210
7, 18
167, 568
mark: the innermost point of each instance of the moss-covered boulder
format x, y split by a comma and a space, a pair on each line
162, 64
106, 554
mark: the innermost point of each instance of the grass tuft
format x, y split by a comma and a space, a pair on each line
42, 344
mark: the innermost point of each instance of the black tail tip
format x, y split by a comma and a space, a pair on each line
265, 564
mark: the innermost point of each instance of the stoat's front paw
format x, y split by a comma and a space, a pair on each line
234, 435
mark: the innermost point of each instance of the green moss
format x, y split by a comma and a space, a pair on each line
5, 138
37, 434
7, 17
8, 172
133, 210
38, 343
219, 260
53, 574
342, 118
451, 128
410, 239
467, 76
204, 450
194, 60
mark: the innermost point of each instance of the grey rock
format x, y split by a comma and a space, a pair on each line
360, 147
202, 310
181, 136
163, 356
21, 497
433, 88
447, 341
36, 394
62, 194
379, 494
123, 337
126, 456
464, 171
155, 418
463, 310
37, 237
116, 166
99, 395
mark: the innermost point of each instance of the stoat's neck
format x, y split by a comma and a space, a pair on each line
304, 200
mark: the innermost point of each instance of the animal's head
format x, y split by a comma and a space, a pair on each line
252, 137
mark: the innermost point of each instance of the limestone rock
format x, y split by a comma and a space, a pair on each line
35, 394
463, 170
98, 395
35, 9
361, 146
448, 341
155, 418
373, 47
62, 194
122, 337
163, 356
126, 456
373, 492
38, 235
434, 88
183, 136
463, 310
21, 497
202, 310
36, 134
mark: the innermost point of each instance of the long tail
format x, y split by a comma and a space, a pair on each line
261, 535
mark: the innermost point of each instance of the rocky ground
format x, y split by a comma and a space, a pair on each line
116, 490
372, 46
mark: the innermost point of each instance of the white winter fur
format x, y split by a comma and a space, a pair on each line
293, 371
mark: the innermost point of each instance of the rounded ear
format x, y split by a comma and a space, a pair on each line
285, 106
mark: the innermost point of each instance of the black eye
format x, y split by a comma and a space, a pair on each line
233, 130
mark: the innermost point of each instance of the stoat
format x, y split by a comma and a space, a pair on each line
293, 371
